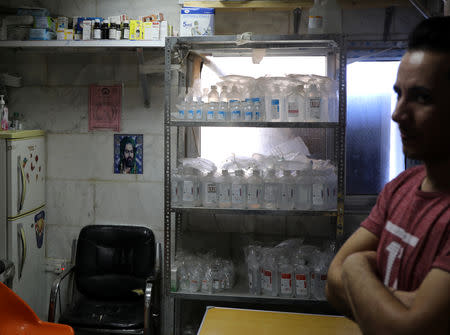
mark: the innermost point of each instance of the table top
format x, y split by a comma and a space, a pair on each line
230, 321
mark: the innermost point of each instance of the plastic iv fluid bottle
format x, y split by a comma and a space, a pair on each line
213, 103
222, 113
247, 110
191, 188
258, 110
319, 280
255, 186
303, 190
287, 191
209, 190
276, 104
295, 103
286, 276
238, 190
302, 279
254, 273
315, 18
224, 190
313, 104
269, 280
271, 190
176, 187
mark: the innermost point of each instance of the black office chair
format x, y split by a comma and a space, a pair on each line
117, 281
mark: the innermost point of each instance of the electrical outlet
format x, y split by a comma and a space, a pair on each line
55, 265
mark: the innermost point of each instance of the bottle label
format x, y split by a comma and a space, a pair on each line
112, 34
253, 194
198, 114
318, 194
126, 34
181, 114
248, 116
97, 34
257, 116
235, 115
267, 280
188, 190
237, 193
304, 195
221, 115
315, 22
314, 108
224, 192
292, 109
210, 115
210, 193
286, 283
270, 193
190, 114
301, 286
275, 109
118, 34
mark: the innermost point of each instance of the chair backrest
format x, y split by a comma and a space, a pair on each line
113, 262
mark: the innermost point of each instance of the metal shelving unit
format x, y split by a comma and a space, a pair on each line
83, 44
177, 50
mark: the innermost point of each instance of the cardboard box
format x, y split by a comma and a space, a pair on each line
196, 21
44, 22
135, 30
150, 31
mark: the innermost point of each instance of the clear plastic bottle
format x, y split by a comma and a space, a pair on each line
177, 193
295, 103
286, 275
238, 190
302, 277
223, 114
224, 190
254, 272
269, 280
313, 104
212, 112
319, 189
209, 190
331, 185
271, 190
247, 110
181, 108
286, 200
213, 95
223, 97
319, 280
207, 280
258, 110
276, 104
303, 190
315, 18
235, 110
199, 110
191, 188
195, 278
255, 187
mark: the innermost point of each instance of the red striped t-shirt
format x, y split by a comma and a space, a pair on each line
414, 230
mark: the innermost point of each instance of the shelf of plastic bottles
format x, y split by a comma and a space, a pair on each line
256, 124
83, 44
241, 295
237, 211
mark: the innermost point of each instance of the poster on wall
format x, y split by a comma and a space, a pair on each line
105, 106
128, 153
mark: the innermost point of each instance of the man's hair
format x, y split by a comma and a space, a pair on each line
432, 34
124, 142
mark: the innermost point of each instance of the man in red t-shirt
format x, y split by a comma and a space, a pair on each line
392, 276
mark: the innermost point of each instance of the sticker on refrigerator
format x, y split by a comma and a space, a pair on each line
39, 228
128, 153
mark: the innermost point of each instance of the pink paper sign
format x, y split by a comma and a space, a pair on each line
105, 107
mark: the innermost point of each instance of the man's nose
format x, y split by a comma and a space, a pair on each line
400, 111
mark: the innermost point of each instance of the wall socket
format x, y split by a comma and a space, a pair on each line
56, 265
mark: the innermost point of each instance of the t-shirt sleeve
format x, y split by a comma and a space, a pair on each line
442, 260
377, 218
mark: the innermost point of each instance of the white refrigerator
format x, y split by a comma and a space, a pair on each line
22, 212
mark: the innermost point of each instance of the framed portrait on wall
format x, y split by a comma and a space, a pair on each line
128, 153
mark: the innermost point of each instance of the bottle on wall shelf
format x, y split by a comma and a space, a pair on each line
271, 190
287, 191
255, 186
209, 190
302, 278
238, 190
313, 104
315, 18
224, 190
286, 275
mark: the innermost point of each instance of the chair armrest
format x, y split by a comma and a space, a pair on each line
6, 272
147, 306
54, 293
158, 260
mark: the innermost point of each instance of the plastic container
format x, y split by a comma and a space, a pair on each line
271, 190
191, 188
286, 276
238, 190
302, 277
313, 104
315, 18
224, 190
255, 187
286, 200
209, 190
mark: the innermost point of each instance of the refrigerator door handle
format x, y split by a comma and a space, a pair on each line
21, 182
22, 249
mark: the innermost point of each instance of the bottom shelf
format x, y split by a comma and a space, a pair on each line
239, 293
